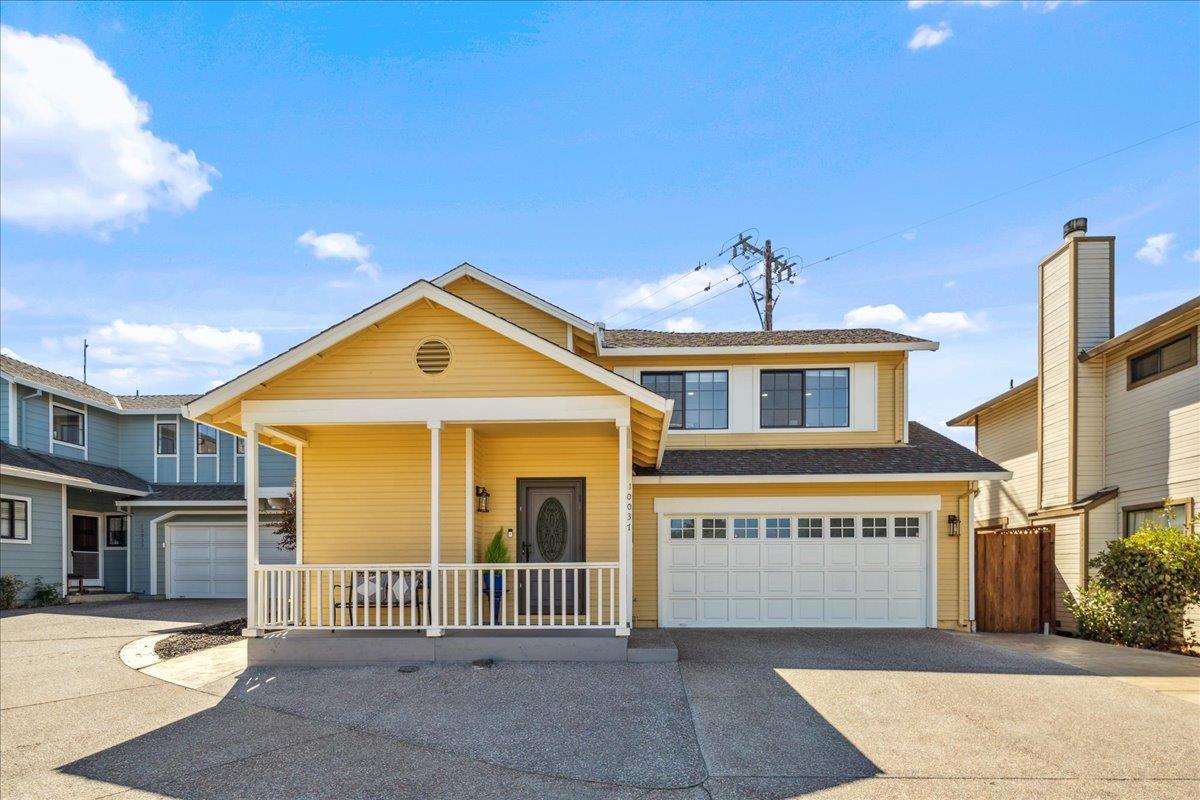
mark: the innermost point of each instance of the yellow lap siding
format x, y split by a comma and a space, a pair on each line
510, 308
951, 551
379, 363
366, 494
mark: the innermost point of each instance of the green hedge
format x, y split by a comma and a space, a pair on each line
1142, 590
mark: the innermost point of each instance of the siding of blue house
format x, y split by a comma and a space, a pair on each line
227, 448
5, 386
187, 450
275, 468
42, 556
103, 436
33, 420
136, 446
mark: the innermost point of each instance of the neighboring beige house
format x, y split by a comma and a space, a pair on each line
1107, 431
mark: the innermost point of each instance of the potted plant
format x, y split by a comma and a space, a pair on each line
493, 580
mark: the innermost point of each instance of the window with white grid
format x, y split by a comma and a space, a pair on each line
713, 528
874, 527
745, 528
779, 528
683, 528
841, 527
907, 527
809, 528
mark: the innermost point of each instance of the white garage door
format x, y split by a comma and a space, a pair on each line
833, 570
210, 560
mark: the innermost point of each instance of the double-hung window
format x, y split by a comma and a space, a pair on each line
166, 438
804, 398
68, 425
701, 397
14, 519
1162, 360
206, 440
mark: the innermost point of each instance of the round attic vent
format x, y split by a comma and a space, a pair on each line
433, 356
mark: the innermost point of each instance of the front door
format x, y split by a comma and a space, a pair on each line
85, 547
550, 530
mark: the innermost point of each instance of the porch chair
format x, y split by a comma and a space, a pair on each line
399, 594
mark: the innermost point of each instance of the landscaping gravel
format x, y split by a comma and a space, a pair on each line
200, 638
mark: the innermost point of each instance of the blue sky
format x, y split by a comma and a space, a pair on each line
589, 153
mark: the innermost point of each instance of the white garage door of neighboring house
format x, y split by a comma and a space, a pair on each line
793, 567
208, 561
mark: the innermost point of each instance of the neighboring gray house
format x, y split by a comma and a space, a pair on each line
92, 483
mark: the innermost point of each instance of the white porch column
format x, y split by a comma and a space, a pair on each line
251, 466
625, 528
469, 517
435, 535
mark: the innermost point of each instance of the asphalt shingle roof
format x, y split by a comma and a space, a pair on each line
72, 468
192, 492
635, 337
148, 401
927, 451
64, 383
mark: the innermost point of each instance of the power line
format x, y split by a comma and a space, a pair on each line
750, 281
998, 195
737, 273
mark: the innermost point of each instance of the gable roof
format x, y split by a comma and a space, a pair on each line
56, 383
74, 389
927, 454
967, 418
466, 270
21, 462
418, 290
619, 339
1147, 327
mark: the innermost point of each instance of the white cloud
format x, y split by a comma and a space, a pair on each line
916, 5
928, 36
131, 343
344, 247
683, 324
76, 150
931, 322
6, 351
1154, 251
10, 301
335, 245
670, 289
908, 235
949, 284
1194, 255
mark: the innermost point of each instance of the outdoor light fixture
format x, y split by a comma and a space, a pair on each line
953, 520
481, 499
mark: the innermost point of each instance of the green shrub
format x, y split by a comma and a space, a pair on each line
10, 590
46, 594
497, 551
1142, 590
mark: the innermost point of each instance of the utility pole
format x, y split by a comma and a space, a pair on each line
776, 270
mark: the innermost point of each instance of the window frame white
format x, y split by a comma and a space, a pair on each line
158, 424
83, 425
28, 501
216, 438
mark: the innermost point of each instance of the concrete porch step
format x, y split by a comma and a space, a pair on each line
100, 597
652, 646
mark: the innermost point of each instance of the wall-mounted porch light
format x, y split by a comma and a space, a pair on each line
953, 520
481, 499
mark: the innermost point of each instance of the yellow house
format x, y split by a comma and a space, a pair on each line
637, 478
1107, 432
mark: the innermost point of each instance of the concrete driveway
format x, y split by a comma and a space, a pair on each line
745, 714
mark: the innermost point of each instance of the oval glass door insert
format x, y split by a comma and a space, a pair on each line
552, 529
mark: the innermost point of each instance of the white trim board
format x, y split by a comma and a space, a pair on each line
87, 434
602, 408
798, 505
898, 477
420, 290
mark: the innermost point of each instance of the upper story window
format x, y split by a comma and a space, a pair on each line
239, 446
206, 440
14, 519
804, 398
166, 439
68, 425
701, 397
1164, 359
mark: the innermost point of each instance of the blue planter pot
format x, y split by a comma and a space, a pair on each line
493, 586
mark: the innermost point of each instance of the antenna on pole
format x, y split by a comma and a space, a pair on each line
85, 347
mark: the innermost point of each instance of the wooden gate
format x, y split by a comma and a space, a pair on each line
1014, 579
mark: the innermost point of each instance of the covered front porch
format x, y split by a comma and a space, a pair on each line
392, 526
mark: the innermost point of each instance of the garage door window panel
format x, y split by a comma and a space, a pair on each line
874, 527
810, 528
841, 527
683, 529
778, 528
711, 528
907, 527
745, 528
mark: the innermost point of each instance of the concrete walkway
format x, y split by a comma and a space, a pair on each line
744, 714
1174, 675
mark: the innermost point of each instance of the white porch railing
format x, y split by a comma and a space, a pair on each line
397, 596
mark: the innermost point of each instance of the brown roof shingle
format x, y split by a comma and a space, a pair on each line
63, 383
636, 337
927, 451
